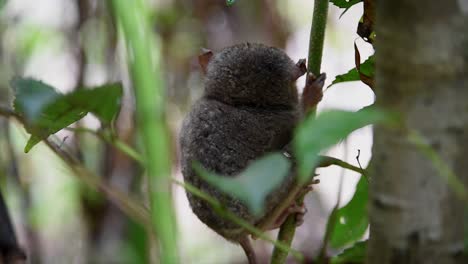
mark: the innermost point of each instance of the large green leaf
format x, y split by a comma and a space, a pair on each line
254, 183
353, 255
46, 111
351, 219
367, 68
324, 131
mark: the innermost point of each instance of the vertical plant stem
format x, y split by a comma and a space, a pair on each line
143, 59
317, 35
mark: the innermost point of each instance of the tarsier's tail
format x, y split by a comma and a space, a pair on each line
248, 249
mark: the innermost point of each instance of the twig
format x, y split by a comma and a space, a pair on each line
121, 200
326, 161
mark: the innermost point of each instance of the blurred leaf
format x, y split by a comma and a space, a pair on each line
136, 249
367, 68
353, 255
351, 219
324, 131
2, 3
254, 183
46, 112
32, 38
230, 2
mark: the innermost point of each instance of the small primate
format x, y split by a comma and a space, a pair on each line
250, 107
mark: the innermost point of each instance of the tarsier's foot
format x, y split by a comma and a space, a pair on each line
298, 210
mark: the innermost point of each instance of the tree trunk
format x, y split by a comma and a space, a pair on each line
422, 72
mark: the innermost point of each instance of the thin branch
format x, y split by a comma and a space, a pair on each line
120, 199
326, 161
317, 35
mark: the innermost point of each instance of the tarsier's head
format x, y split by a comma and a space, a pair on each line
252, 75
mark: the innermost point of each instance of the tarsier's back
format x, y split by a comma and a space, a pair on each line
249, 108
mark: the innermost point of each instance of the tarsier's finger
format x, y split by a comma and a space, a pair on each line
300, 69
316, 81
300, 216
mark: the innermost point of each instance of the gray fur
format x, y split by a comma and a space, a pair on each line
249, 108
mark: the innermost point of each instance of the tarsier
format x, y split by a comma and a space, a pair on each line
250, 107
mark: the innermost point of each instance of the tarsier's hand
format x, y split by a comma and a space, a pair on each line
312, 93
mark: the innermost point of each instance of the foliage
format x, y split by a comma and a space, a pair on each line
353, 255
46, 111
367, 68
351, 220
254, 183
346, 4
317, 134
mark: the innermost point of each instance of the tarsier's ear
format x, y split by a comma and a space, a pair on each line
300, 69
204, 59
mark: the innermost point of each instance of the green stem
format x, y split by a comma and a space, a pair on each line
317, 35
144, 58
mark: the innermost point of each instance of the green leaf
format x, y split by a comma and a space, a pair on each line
345, 3
317, 134
253, 184
230, 2
103, 101
353, 255
367, 68
351, 220
31, 96
46, 111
